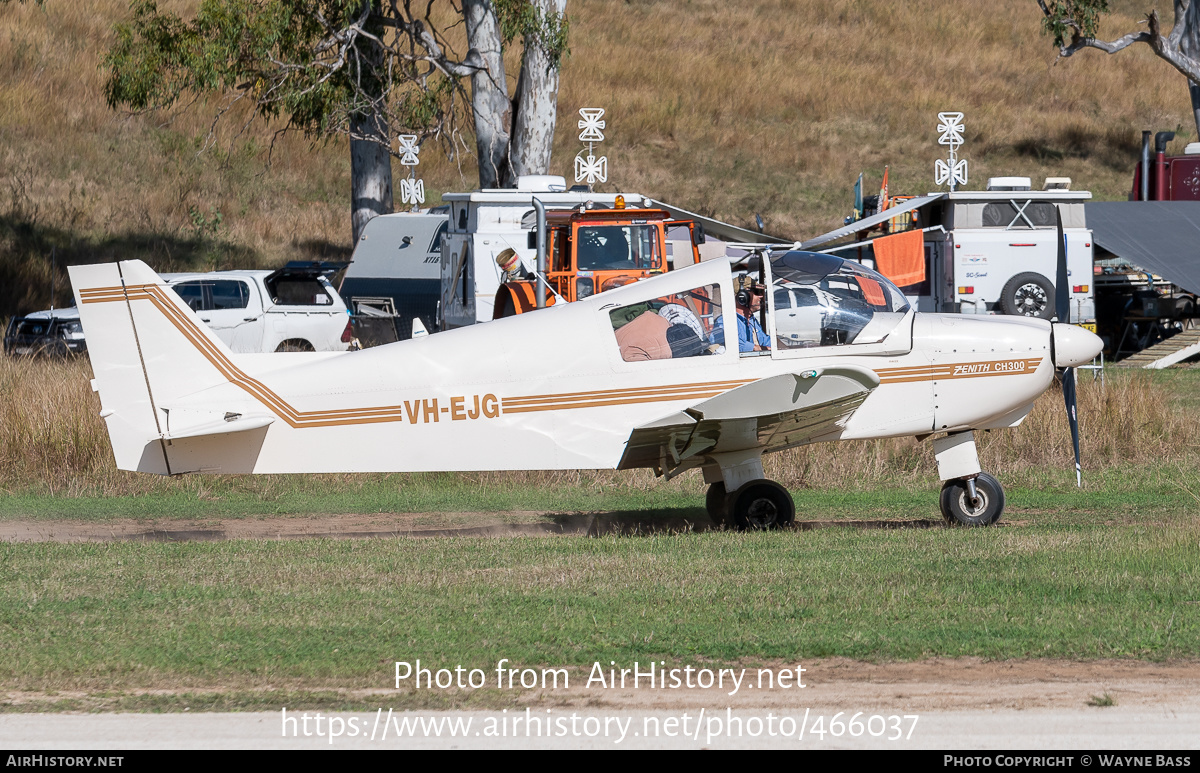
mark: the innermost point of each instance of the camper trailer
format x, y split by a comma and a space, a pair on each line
978, 252
394, 277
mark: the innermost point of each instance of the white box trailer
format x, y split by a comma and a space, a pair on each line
985, 252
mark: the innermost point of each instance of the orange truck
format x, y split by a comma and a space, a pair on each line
588, 251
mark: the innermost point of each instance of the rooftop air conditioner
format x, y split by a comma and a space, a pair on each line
1009, 184
541, 183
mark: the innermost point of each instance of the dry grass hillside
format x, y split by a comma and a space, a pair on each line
769, 106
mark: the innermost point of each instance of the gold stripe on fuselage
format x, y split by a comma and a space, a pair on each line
978, 369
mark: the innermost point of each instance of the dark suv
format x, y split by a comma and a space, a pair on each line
51, 333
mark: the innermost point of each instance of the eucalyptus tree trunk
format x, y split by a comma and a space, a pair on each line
537, 102
370, 170
489, 96
370, 145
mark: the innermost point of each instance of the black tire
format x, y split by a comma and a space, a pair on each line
957, 509
760, 505
1028, 295
716, 502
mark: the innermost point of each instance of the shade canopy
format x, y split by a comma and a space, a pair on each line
1162, 237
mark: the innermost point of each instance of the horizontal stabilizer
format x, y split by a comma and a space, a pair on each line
226, 447
221, 427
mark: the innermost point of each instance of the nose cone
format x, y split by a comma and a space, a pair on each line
1074, 346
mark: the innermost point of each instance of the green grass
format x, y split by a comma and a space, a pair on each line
327, 613
1183, 383
236, 497
1110, 571
1169, 490
247, 700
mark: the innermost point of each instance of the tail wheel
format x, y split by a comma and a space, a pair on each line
760, 505
716, 502
958, 508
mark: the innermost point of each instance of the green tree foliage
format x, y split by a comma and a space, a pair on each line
362, 68
519, 18
314, 63
1084, 13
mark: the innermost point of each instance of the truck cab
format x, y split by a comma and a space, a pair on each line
485, 223
593, 250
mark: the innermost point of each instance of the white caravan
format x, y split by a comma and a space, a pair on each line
986, 252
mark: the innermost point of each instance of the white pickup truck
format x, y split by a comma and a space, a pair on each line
292, 309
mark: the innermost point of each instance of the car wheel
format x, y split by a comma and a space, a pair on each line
295, 345
1028, 295
760, 505
957, 508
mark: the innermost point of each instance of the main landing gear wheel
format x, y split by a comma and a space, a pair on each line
716, 501
761, 504
958, 508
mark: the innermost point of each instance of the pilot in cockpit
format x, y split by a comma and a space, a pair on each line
748, 296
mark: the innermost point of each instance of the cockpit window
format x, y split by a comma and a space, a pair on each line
821, 300
670, 327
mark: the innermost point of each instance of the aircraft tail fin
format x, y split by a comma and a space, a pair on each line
147, 348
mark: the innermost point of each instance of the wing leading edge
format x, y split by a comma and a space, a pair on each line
774, 413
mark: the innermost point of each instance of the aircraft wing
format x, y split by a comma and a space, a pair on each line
774, 413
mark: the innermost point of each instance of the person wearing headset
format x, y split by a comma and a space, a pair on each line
749, 299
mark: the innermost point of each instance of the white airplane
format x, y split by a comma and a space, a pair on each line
632, 377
